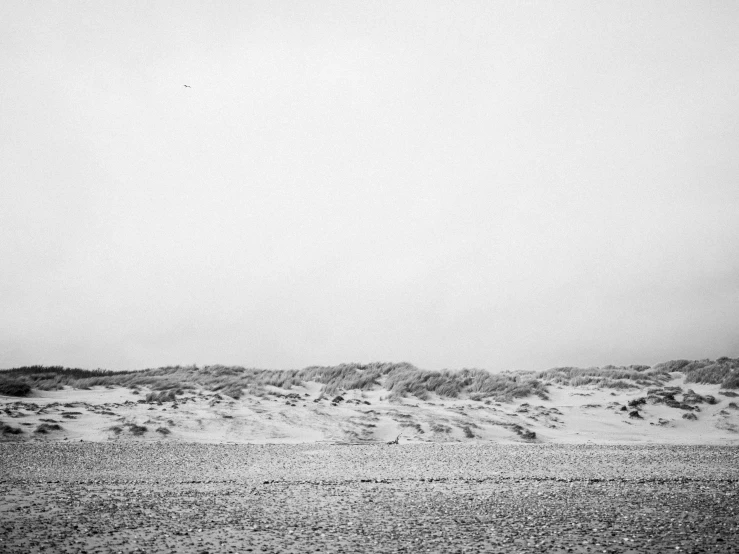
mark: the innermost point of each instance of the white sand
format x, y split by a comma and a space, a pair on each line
571, 415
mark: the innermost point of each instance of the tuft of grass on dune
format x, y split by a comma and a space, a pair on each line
14, 387
57, 377
475, 383
353, 376
45, 428
633, 376
162, 396
136, 430
6, 429
234, 391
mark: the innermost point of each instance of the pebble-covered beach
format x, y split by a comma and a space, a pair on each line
158, 497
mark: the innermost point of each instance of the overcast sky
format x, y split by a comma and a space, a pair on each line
503, 185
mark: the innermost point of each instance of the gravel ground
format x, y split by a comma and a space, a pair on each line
139, 497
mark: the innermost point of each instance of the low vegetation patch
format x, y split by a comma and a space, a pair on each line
136, 430
416, 426
45, 428
624, 377
9, 429
162, 396
521, 431
233, 391
668, 396
14, 387
723, 371
476, 383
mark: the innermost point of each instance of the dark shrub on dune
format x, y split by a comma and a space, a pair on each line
44, 428
691, 397
636, 402
14, 387
137, 430
521, 431
9, 430
527, 434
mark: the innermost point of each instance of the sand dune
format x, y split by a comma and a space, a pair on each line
675, 413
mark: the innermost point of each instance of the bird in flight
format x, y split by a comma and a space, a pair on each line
187, 86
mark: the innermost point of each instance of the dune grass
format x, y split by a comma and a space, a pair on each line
607, 377
163, 396
136, 430
400, 380
14, 387
723, 371
161, 379
475, 383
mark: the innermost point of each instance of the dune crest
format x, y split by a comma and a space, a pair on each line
673, 403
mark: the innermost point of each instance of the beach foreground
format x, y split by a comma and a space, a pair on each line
159, 497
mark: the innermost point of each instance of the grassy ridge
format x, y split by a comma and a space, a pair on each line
724, 371
608, 377
399, 379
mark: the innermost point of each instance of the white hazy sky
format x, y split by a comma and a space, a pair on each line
504, 185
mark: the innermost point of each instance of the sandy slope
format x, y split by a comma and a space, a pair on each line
571, 415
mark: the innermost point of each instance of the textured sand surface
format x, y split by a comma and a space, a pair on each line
569, 415
170, 497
